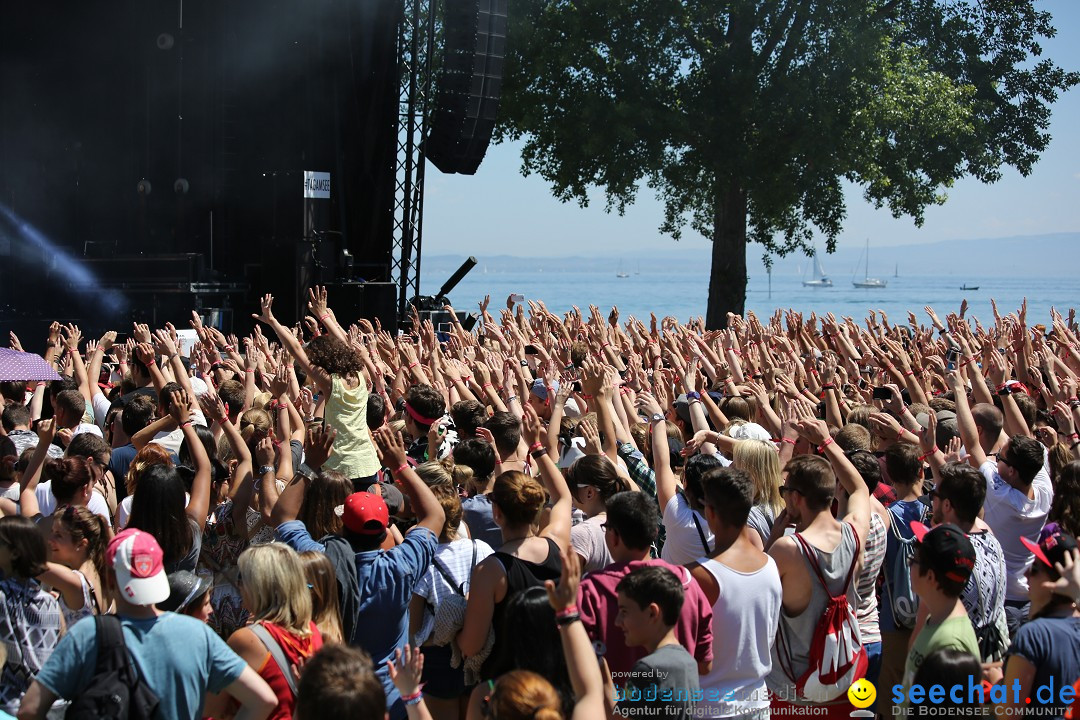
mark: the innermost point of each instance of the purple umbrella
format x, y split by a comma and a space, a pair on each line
15, 365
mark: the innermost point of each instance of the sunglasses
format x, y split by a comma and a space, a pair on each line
784, 489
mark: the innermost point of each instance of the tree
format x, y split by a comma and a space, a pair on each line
745, 116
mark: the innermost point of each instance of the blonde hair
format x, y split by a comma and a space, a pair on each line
439, 475
255, 424
276, 586
762, 463
325, 609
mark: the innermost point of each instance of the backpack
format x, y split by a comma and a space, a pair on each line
902, 599
117, 690
837, 657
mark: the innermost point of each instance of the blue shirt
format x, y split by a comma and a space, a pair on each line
477, 513
180, 679
387, 579
1052, 645
295, 534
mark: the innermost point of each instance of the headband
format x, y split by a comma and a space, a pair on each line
418, 417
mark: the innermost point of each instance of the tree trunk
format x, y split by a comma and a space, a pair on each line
727, 285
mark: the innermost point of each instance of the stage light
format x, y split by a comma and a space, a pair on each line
181, 186
143, 188
165, 41
77, 275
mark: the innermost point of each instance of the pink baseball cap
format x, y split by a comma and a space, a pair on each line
136, 558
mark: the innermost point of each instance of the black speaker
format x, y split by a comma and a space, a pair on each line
468, 90
354, 300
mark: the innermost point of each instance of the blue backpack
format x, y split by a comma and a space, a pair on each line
902, 599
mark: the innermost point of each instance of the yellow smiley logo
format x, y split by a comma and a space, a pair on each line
862, 693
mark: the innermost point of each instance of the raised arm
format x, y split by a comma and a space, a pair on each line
199, 504
317, 449
562, 501
581, 662
858, 508
291, 344
661, 451
429, 512
965, 422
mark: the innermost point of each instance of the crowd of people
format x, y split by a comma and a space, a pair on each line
550, 517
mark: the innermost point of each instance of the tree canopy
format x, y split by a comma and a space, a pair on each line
746, 116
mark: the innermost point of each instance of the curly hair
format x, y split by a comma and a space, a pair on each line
334, 356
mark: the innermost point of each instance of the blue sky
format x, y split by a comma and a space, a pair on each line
498, 211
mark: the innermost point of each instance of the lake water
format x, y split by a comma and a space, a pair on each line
684, 293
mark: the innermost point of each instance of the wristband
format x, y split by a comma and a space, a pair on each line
929, 454
486, 385
568, 610
909, 373
413, 699
539, 452
323, 317
536, 446
249, 371
827, 443
567, 620
175, 354
402, 468
151, 363
828, 386
229, 348
587, 397
413, 364
511, 398
789, 441
185, 423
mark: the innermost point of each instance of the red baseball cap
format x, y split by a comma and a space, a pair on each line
137, 560
365, 514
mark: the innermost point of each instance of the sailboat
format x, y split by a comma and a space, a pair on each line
620, 273
867, 281
820, 279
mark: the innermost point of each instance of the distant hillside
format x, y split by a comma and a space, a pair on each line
1055, 255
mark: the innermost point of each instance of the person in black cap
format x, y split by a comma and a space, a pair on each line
940, 569
189, 594
1046, 652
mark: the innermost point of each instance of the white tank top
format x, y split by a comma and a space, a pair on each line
744, 623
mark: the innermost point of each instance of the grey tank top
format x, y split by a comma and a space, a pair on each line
798, 631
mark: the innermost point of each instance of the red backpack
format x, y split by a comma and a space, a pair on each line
837, 657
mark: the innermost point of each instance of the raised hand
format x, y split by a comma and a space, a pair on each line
406, 669
530, 425
392, 447
266, 312
140, 332
319, 445
565, 594
178, 406
73, 336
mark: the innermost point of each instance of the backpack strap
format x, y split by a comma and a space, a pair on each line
812, 557
459, 588
277, 653
697, 523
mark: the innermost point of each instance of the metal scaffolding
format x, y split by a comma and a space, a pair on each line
416, 48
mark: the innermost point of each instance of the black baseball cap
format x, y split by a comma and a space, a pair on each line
1054, 544
947, 550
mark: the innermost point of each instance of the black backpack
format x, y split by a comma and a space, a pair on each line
117, 690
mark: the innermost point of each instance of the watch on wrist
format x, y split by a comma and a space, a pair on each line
265, 469
693, 395
656, 417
